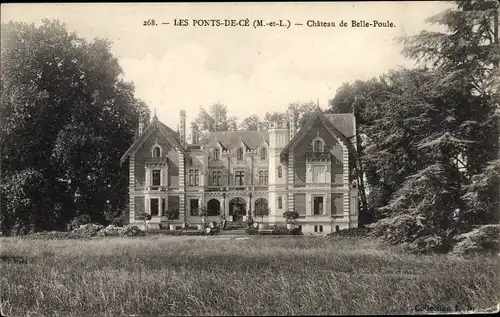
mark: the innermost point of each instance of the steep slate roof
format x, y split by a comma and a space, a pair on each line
175, 134
344, 122
170, 134
233, 139
342, 125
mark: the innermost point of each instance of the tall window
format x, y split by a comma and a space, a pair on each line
318, 174
280, 202
239, 178
280, 172
318, 205
155, 177
216, 154
156, 152
318, 146
216, 176
261, 177
194, 177
193, 203
214, 179
265, 177
239, 154
260, 204
263, 154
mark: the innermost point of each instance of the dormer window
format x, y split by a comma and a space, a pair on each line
318, 146
156, 151
239, 154
263, 154
216, 154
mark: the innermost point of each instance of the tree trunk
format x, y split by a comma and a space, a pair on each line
360, 175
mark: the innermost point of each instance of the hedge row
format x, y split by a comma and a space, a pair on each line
275, 231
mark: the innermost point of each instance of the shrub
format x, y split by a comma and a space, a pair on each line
121, 220
408, 231
290, 216
114, 231
78, 221
295, 232
482, 240
359, 232
252, 231
172, 214
280, 230
87, 230
177, 232
144, 216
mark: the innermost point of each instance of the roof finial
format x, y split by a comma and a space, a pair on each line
317, 102
154, 112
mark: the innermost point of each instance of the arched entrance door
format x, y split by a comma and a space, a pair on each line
213, 207
237, 209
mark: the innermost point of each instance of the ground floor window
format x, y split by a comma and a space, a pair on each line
194, 207
315, 228
320, 228
260, 205
173, 204
153, 207
213, 207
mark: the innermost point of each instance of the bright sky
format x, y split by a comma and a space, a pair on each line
249, 70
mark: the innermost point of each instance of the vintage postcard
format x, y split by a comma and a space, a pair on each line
206, 159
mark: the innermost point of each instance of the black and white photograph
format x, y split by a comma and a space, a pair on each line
250, 158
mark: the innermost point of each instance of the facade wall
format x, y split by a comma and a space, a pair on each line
288, 186
305, 145
144, 152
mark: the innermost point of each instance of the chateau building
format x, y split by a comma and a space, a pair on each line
234, 173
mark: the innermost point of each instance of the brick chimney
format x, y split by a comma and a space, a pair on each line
182, 128
194, 133
291, 118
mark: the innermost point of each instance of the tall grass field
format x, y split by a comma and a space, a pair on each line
162, 275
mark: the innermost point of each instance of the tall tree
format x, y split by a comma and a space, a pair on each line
445, 123
252, 123
216, 119
275, 116
469, 53
66, 119
354, 98
301, 113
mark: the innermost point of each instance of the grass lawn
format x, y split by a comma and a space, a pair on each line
162, 275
